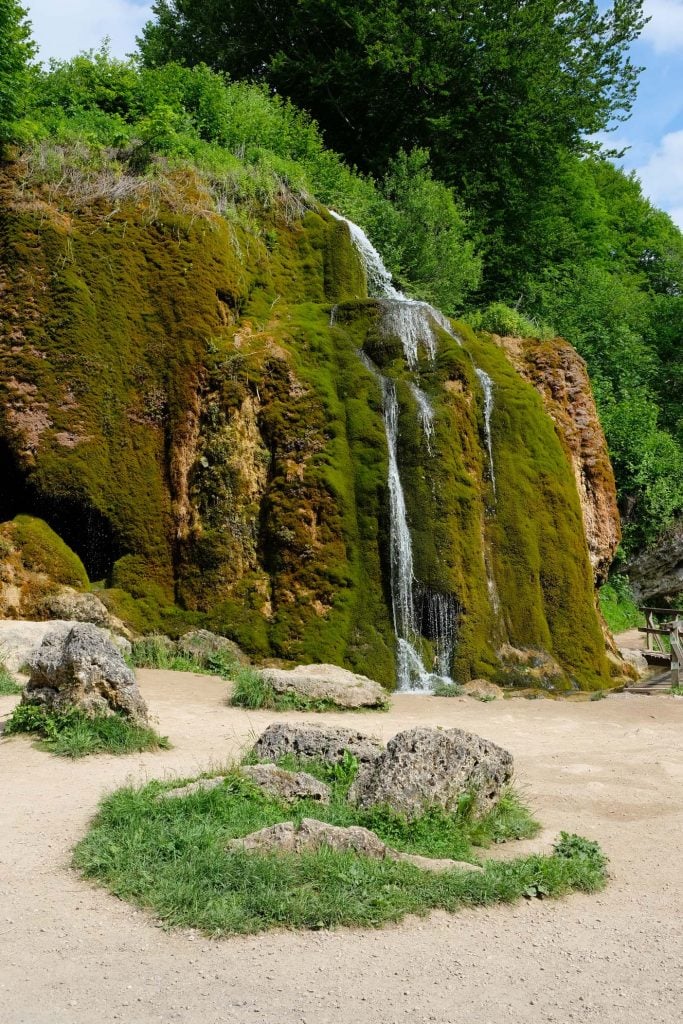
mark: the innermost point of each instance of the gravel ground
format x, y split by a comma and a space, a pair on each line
611, 770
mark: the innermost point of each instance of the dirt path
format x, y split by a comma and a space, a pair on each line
612, 770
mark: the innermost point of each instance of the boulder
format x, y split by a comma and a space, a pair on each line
314, 742
75, 606
482, 689
81, 667
287, 786
636, 659
20, 640
424, 768
656, 574
312, 835
328, 683
202, 643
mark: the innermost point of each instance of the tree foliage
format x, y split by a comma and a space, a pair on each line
16, 52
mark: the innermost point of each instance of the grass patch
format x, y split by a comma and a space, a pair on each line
158, 651
9, 687
252, 690
448, 690
73, 734
675, 691
170, 856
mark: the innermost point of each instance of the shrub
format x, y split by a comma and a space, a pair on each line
618, 605
444, 689
498, 318
8, 685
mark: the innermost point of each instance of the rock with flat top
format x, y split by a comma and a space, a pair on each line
327, 683
80, 667
312, 835
314, 742
287, 786
424, 768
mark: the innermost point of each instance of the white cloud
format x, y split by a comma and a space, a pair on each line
665, 29
64, 28
662, 176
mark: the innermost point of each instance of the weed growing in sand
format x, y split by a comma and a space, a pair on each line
172, 856
8, 684
676, 691
73, 734
448, 690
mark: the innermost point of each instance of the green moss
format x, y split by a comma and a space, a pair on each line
43, 551
541, 561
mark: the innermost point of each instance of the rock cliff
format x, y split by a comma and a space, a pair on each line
183, 403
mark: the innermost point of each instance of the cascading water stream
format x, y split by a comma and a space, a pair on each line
487, 388
413, 322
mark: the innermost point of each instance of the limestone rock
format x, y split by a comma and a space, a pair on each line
314, 742
423, 768
560, 376
287, 786
328, 682
311, 835
656, 574
201, 644
76, 606
198, 786
482, 688
20, 639
81, 667
636, 659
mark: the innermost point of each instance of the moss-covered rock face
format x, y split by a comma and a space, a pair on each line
35, 564
179, 406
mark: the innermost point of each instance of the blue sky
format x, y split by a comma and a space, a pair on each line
654, 133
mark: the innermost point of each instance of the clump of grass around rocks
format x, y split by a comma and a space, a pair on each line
444, 689
676, 691
253, 690
172, 856
71, 733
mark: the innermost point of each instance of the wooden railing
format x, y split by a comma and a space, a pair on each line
664, 637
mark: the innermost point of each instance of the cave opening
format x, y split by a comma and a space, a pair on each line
84, 528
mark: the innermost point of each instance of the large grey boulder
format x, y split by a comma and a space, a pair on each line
424, 768
312, 835
77, 606
314, 742
81, 667
202, 643
327, 683
20, 639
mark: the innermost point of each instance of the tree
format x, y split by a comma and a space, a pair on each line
497, 91
16, 52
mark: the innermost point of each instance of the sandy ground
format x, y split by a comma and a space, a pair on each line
612, 770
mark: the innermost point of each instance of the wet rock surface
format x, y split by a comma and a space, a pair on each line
424, 768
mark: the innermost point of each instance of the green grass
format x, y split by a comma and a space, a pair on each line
676, 691
73, 734
156, 651
252, 690
170, 856
448, 690
8, 685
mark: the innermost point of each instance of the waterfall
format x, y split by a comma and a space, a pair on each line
487, 387
413, 322
426, 415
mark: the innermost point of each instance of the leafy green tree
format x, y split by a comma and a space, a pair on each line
497, 91
16, 52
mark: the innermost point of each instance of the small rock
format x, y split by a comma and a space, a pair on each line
287, 786
314, 742
311, 835
482, 688
423, 768
198, 786
328, 683
636, 659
